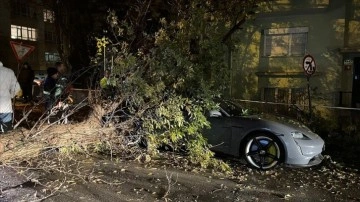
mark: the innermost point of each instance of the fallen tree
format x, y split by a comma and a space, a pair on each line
161, 88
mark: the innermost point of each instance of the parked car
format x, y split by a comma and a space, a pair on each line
263, 140
40, 76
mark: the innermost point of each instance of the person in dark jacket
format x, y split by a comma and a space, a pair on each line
50, 87
63, 87
26, 79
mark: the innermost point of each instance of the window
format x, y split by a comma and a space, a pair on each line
285, 41
22, 8
49, 16
24, 33
52, 57
285, 95
283, 98
50, 36
269, 95
299, 96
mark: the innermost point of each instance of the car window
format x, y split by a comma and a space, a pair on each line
231, 108
215, 113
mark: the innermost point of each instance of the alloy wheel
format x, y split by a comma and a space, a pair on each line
262, 152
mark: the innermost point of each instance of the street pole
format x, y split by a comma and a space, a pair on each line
104, 57
230, 70
309, 67
19, 68
309, 94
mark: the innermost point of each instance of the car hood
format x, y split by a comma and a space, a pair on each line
285, 121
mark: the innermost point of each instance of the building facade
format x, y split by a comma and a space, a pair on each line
267, 64
31, 23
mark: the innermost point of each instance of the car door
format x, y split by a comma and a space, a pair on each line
219, 135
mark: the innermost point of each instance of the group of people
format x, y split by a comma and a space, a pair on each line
55, 85
55, 89
11, 86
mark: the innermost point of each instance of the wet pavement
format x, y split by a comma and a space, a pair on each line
133, 181
100, 179
16, 187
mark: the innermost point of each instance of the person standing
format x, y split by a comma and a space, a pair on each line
9, 88
61, 95
50, 87
62, 85
26, 79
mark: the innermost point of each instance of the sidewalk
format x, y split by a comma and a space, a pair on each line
15, 187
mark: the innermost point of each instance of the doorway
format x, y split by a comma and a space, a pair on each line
356, 84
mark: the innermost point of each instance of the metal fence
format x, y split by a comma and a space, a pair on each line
345, 120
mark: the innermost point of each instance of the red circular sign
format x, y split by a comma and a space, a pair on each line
309, 65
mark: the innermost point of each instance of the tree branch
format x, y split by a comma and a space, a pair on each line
234, 28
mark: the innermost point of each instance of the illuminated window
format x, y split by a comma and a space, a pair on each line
52, 57
285, 41
24, 33
49, 16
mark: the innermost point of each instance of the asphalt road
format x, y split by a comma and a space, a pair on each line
15, 186
96, 179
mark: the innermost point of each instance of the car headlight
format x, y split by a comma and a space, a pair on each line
298, 135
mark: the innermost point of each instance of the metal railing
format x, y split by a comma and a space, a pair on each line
345, 119
345, 98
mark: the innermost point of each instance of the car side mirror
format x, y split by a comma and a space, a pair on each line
214, 113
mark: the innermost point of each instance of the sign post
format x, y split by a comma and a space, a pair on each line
21, 50
309, 67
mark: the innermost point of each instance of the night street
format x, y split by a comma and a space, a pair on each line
157, 181
177, 101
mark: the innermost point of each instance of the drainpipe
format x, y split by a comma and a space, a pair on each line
347, 16
309, 96
230, 64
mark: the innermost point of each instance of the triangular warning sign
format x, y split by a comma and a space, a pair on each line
21, 50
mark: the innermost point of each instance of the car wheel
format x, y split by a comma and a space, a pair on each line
262, 151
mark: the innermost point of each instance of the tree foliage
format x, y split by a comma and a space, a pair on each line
167, 81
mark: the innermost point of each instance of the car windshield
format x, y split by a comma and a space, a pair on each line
231, 108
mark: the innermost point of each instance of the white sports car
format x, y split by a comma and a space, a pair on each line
263, 140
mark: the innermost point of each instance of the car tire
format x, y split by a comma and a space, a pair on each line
262, 151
